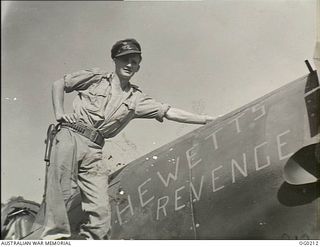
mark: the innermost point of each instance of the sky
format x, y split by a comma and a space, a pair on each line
206, 57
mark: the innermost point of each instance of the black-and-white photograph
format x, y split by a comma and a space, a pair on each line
160, 120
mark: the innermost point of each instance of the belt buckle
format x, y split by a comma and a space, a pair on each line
95, 137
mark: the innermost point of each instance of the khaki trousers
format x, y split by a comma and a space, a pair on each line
76, 165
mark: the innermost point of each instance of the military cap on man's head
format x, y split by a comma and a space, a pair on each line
124, 47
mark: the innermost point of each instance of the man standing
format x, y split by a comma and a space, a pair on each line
105, 104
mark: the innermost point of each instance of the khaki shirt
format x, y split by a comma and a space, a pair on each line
92, 104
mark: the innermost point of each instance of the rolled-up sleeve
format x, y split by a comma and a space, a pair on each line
147, 107
82, 79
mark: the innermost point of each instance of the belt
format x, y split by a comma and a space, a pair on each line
92, 134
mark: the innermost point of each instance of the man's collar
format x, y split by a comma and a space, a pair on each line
135, 87
110, 76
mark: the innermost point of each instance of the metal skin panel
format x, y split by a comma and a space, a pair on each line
151, 199
230, 178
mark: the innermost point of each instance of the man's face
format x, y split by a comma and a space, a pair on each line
126, 66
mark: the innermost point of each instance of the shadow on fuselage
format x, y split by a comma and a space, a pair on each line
296, 195
305, 160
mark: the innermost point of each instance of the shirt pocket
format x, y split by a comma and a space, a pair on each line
126, 110
100, 90
95, 96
